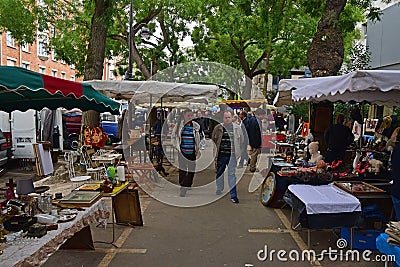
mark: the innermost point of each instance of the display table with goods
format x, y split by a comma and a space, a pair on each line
106, 157
322, 207
66, 228
327, 206
125, 203
286, 171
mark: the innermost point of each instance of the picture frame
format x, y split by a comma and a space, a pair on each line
127, 208
81, 198
358, 188
370, 125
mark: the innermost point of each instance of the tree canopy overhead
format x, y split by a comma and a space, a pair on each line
255, 36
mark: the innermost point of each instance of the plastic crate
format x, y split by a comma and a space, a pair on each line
362, 239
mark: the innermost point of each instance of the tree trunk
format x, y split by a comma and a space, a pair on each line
326, 52
96, 52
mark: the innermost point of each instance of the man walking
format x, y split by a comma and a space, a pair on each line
203, 128
254, 131
186, 140
243, 122
338, 137
228, 138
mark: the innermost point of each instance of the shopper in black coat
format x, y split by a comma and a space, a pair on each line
254, 132
337, 137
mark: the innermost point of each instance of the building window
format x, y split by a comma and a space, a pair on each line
11, 62
111, 74
26, 65
25, 47
42, 44
72, 66
72, 78
53, 55
10, 39
42, 70
63, 75
54, 73
53, 32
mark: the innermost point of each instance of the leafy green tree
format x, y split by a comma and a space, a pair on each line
258, 37
358, 59
20, 18
167, 22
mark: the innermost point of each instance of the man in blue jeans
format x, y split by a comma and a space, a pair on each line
228, 138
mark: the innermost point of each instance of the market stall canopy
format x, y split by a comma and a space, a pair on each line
178, 105
381, 87
252, 103
141, 91
22, 89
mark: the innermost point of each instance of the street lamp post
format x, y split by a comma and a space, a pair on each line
145, 33
128, 73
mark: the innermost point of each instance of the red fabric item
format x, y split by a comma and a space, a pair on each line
53, 84
305, 129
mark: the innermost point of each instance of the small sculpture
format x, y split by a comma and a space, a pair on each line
315, 155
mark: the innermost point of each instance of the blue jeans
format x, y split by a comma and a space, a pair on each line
396, 206
222, 162
244, 156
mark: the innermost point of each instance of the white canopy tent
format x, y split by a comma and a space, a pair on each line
381, 87
143, 92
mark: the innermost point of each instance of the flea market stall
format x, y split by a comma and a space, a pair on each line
147, 151
34, 223
367, 178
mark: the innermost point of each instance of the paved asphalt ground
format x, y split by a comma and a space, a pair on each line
219, 234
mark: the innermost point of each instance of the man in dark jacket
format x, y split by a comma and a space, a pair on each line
244, 121
203, 128
338, 137
254, 132
228, 139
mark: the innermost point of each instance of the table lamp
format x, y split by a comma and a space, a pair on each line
25, 187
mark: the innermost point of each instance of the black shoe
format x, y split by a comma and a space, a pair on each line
240, 166
254, 170
235, 200
218, 193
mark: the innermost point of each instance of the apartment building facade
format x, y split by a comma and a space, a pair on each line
36, 57
383, 39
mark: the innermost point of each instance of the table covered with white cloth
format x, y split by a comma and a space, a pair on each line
323, 206
34, 251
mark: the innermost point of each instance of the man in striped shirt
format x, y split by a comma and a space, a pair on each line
187, 140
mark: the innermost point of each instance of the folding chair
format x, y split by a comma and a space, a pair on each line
96, 171
76, 180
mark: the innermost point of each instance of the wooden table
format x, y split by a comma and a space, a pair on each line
132, 145
107, 158
116, 191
